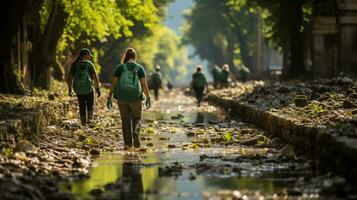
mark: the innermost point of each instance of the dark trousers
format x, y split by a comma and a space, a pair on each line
199, 94
130, 114
156, 92
86, 102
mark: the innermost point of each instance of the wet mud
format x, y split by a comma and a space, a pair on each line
186, 153
203, 153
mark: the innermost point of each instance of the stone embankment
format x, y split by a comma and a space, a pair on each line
323, 126
23, 118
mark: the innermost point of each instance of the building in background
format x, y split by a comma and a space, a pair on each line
334, 38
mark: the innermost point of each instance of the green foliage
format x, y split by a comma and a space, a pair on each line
314, 109
101, 24
7, 151
96, 20
227, 137
162, 48
90, 140
221, 31
278, 19
44, 14
149, 130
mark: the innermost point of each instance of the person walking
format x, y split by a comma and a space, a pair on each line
216, 75
225, 75
81, 76
199, 83
156, 79
128, 83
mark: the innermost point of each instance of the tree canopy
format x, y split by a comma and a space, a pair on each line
225, 31
57, 29
221, 32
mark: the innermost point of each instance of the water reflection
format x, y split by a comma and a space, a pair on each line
134, 175
131, 179
200, 118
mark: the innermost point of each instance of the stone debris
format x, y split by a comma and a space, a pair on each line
188, 147
326, 102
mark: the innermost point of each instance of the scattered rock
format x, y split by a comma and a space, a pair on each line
354, 112
142, 149
300, 101
171, 146
24, 146
51, 97
253, 141
178, 116
96, 192
94, 152
294, 192
287, 152
353, 96
192, 177
80, 163
347, 104
344, 81
146, 138
175, 169
21, 156
81, 137
283, 89
275, 142
72, 125
190, 134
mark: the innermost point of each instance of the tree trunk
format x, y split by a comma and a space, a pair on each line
230, 55
44, 55
297, 67
247, 59
244, 50
12, 13
286, 64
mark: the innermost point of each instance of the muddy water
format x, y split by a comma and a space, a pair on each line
176, 165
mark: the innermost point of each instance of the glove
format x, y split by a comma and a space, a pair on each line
148, 102
70, 93
109, 103
98, 92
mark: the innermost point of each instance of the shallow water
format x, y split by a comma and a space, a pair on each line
181, 172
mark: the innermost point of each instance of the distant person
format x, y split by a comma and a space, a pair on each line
244, 71
128, 83
199, 83
225, 75
156, 81
216, 75
81, 76
169, 85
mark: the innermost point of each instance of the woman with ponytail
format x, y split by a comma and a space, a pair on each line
128, 85
82, 77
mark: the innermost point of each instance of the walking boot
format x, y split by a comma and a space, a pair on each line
136, 134
83, 120
90, 116
136, 141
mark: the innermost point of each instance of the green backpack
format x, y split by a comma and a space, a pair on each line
83, 83
128, 87
156, 79
200, 80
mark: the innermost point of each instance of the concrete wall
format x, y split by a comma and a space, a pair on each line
348, 51
334, 38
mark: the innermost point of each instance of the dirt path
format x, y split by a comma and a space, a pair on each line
198, 153
187, 153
